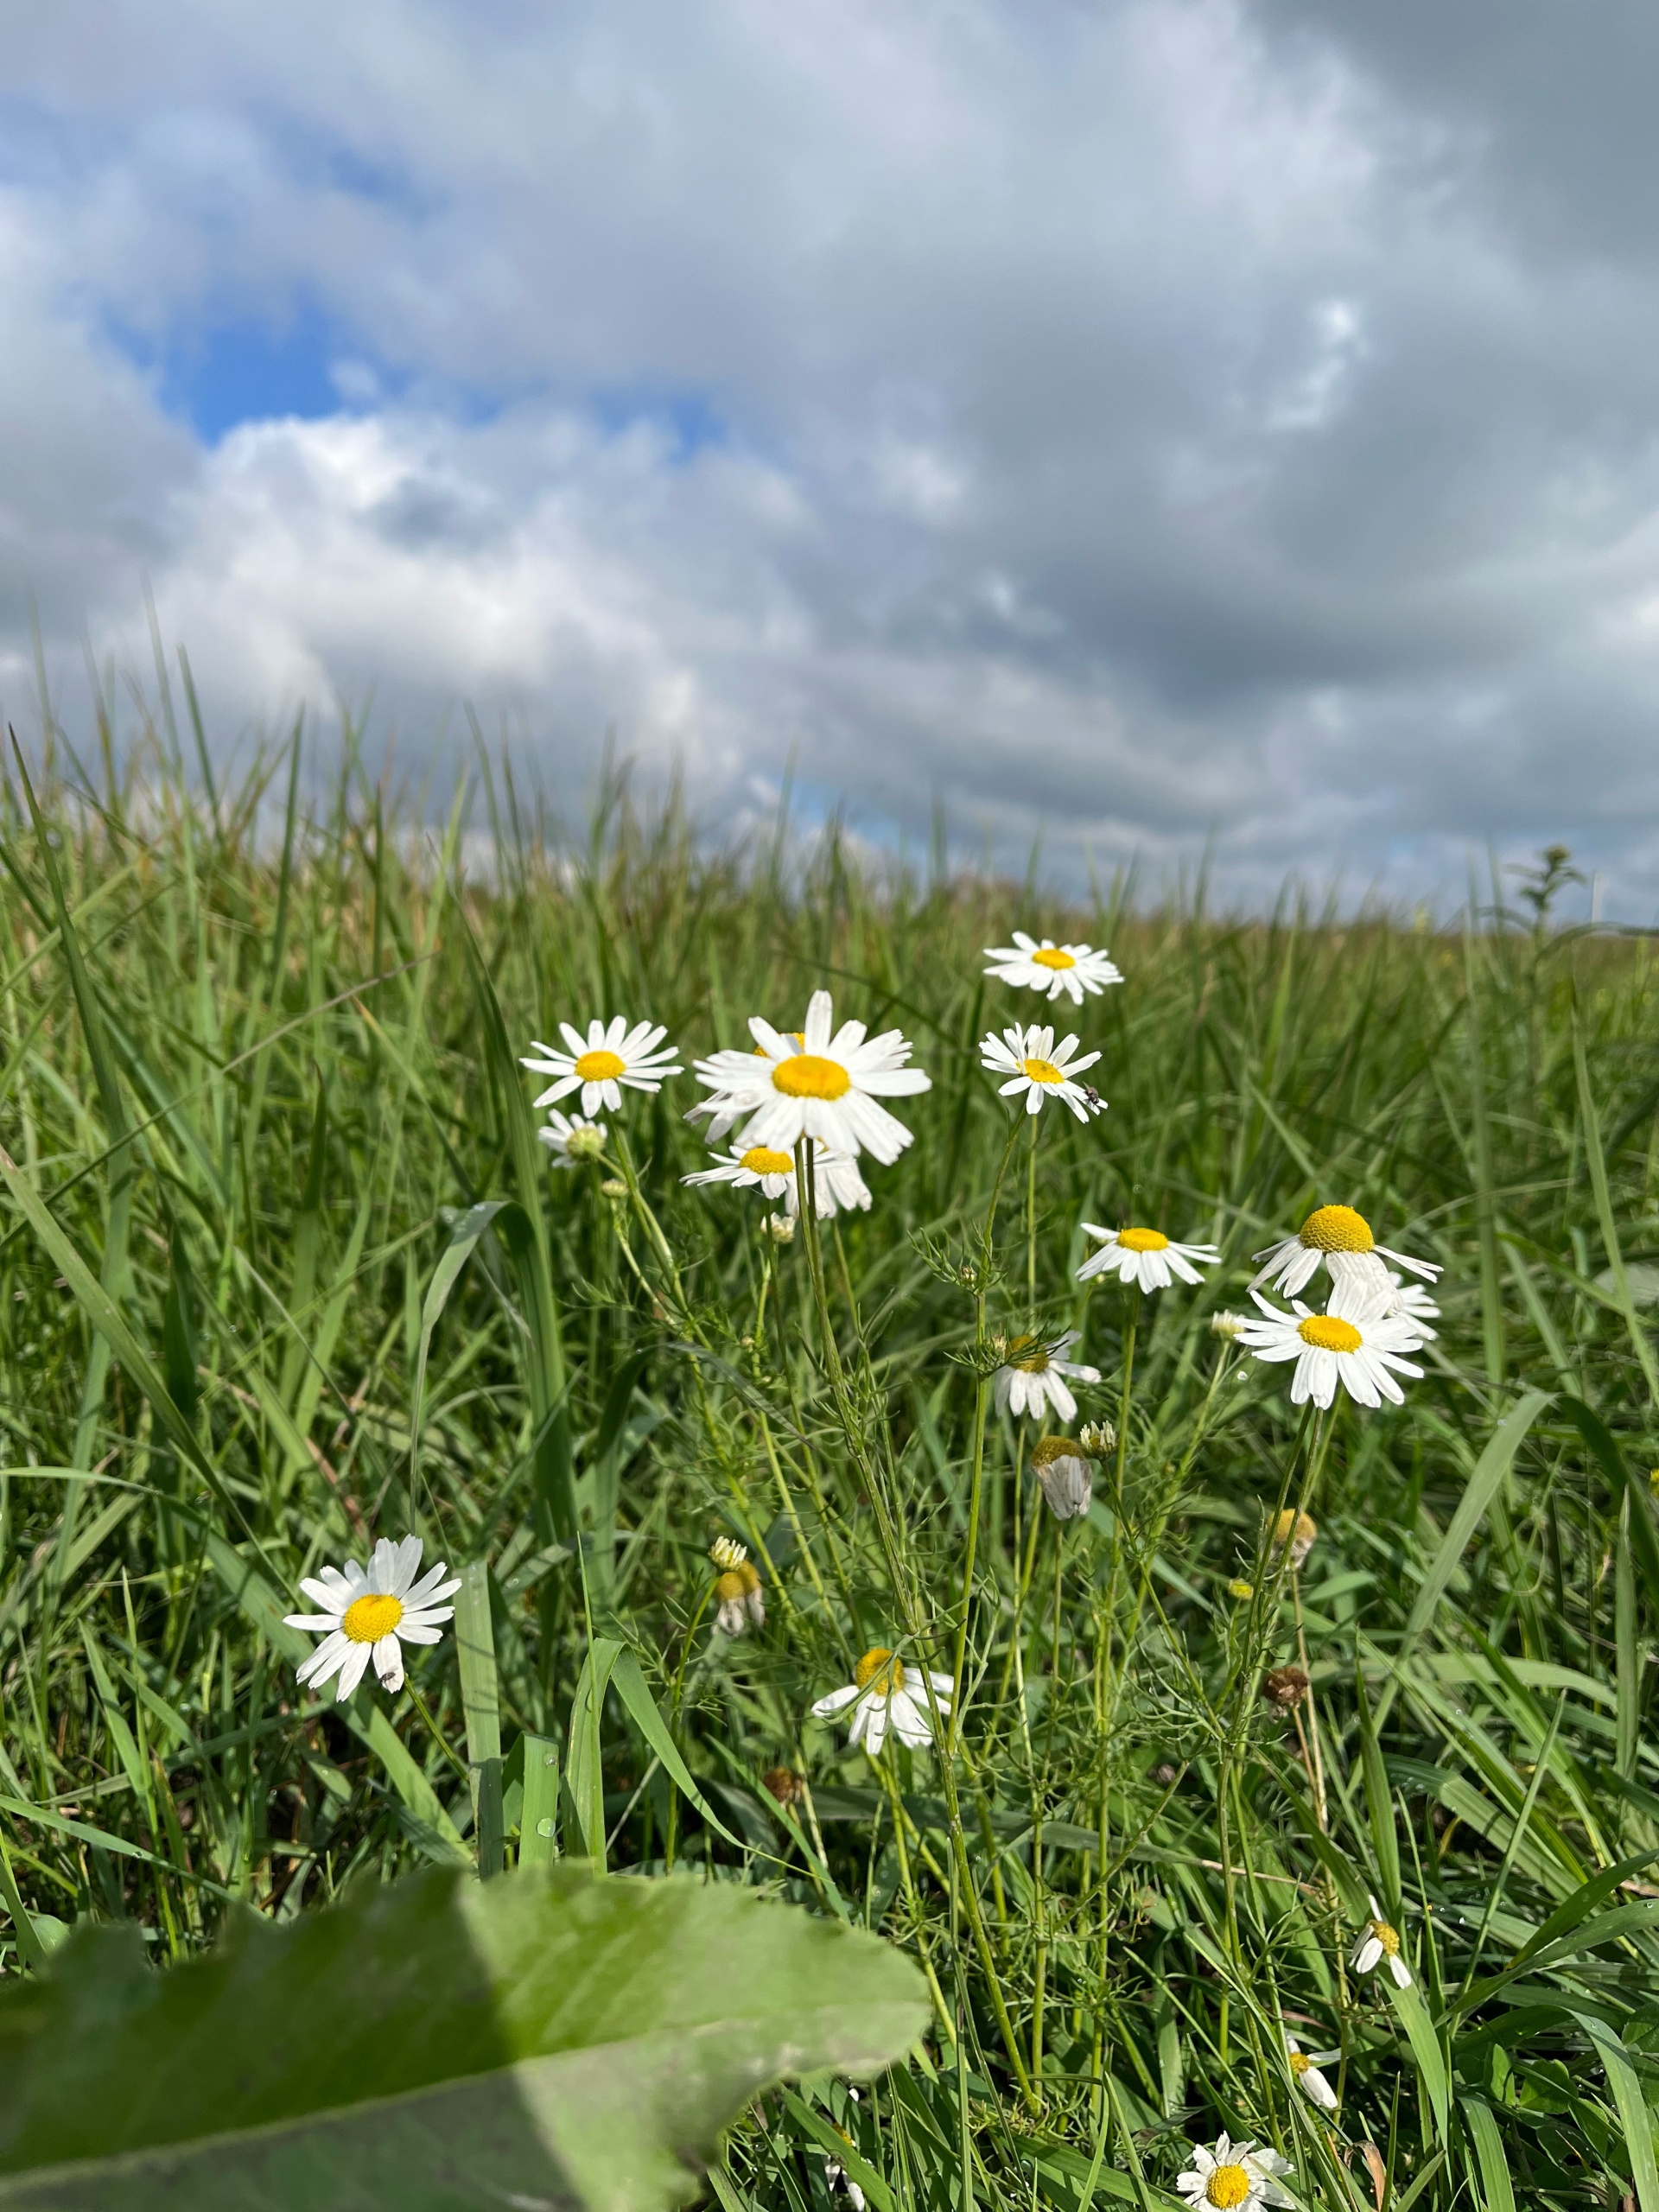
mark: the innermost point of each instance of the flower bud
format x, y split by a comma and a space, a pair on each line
1098, 1439
780, 1227
614, 1187
584, 1143
1067, 1479
1229, 1325
1242, 1590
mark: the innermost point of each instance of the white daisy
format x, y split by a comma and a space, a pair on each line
1377, 1941
571, 1140
1065, 1475
737, 1588
1343, 1239
1053, 968
1356, 1344
821, 1083
836, 1183
1145, 1257
885, 1695
371, 1612
602, 1062
1412, 1299
1034, 1064
1032, 1377
1305, 2065
1232, 2175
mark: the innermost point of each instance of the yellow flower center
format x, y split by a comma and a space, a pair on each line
1326, 1333
881, 1670
1142, 1240
1302, 1526
730, 1586
1042, 1071
759, 1159
1051, 956
1299, 2062
598, 1067
805, 1075
1336, 1228
371, 1617
1387, 1937
1029, 1355
1227, 2185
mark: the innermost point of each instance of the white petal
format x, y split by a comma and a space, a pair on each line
837, 1702
389, 1664
356, 1666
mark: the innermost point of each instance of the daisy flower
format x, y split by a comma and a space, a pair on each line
1145, 1257
885, 1695
836, 1183
1356, 1344
1034, 1374
822, 1082
1412, 1299
1053, 968
1067, 1479
1377, 1941
602, 1062
1034, 1064
371, 1612
737, 1588
1305, 2065
1343, 1239
1233, 2174
572, 1140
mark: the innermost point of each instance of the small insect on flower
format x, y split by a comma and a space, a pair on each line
1145, 1257
571, 1140
1067, 1479
822, 1082
1377, 1941
1305, 2067
1285, 1688
837, 1185
1034, 1376
1300, 1530
737, 1588
885, 1695
1051, 968
1035, 1064
1356, 1344
1343, 1239
1233, 2174
370, 1613
600, 1064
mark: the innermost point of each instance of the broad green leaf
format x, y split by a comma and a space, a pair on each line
1489, 2150
1622, 2080
547, 2040
1425, 2046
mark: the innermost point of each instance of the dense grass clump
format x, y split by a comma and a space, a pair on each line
285, 1270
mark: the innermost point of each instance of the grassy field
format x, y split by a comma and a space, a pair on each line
284, 1269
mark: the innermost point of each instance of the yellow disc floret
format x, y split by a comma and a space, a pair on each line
1142, 1240
760, 1160
601, 1067
1302, 1526
1042, 1071
1228, 2185
1050, 956
1326, 1333
806, 1075
1387, 1937
880, 1670
1336, 1228
371, 1617
1299, 2062
1029, 1355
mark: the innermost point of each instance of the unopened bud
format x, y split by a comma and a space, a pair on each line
1067, 1477
584, 1143
1230, 1326
780, 1227
614, 1187
1098, 1439
1242, 1590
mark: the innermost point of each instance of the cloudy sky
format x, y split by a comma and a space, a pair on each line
1164, 422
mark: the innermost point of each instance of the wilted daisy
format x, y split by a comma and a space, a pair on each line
1305, 2066
1343, 1239
571, 1140
837, 1185
602, 1062
885, 1695
1051, 968
371, 1612
737, 1588
1067, 1480
1356, 1344
1377, 1941
1034, 1064
1233, 2174
822, 1082
1034, 1375
1145, 1257
1300, 1530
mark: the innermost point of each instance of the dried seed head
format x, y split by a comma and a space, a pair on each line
783, 1784
1285, 1688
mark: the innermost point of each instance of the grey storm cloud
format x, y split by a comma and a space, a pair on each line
1182, 423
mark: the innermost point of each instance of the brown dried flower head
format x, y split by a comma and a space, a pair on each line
784, 1785
1285, 1688
1300, 1530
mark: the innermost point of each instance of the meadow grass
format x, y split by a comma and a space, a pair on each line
283, 1268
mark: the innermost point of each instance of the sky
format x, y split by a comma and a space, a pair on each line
1167, 428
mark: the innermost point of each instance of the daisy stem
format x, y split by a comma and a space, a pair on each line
437, 1734
1031, 1219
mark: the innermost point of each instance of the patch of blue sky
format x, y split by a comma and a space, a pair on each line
250, 368
690, 417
